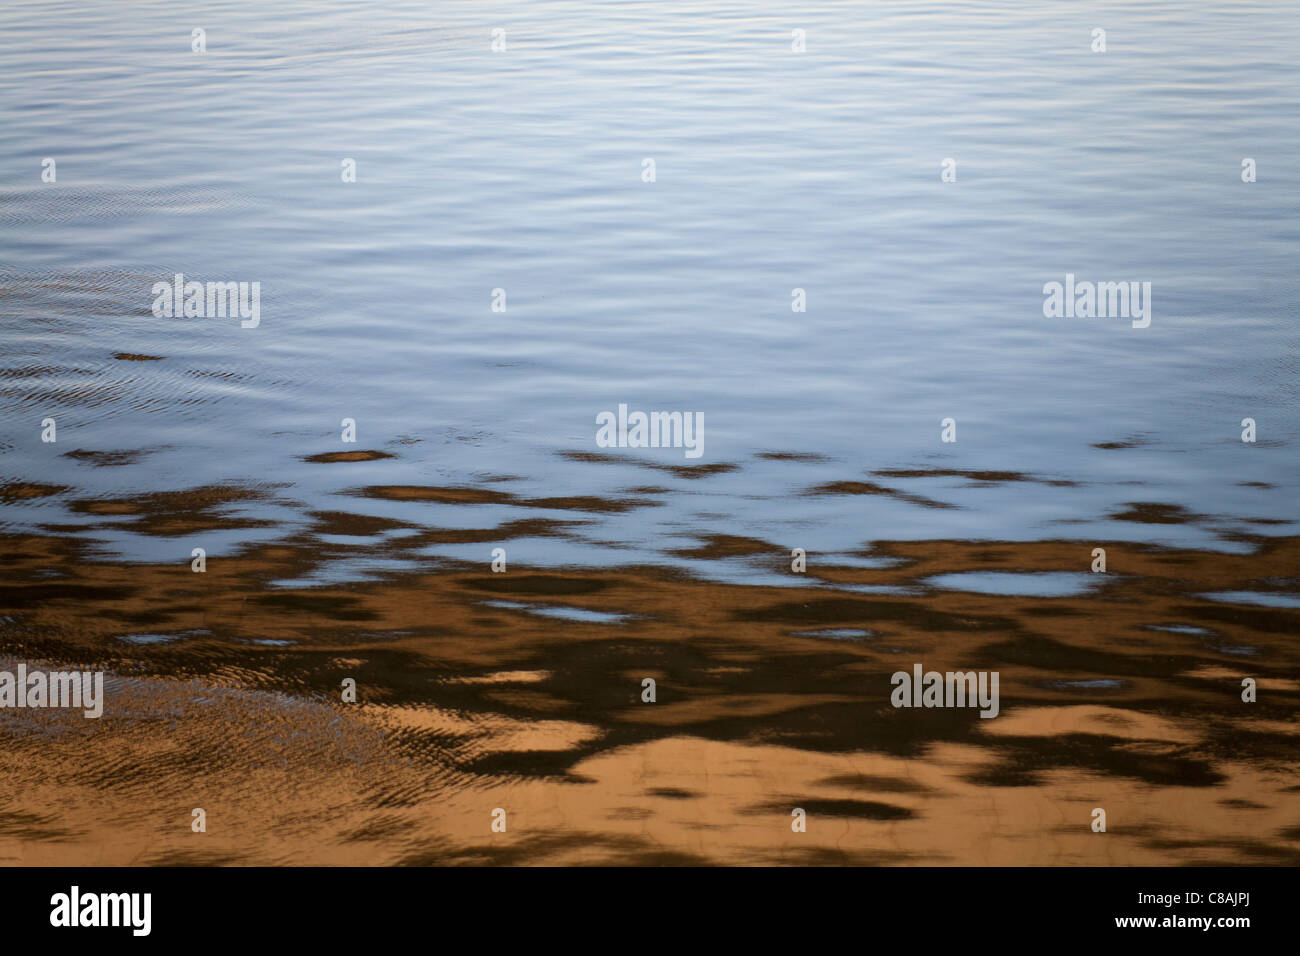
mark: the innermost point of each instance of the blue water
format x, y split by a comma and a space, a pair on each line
775, 170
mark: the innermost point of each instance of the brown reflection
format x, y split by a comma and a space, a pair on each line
792, 456
871, 488
23, 490
1151, 512
107, 459
337, 456
225, 696
987, 477
729, 546
1136, 441
681, 471
175, 513
477, 496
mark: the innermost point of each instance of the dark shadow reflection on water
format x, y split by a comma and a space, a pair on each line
522, 690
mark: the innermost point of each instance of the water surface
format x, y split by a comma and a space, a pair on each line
775, 170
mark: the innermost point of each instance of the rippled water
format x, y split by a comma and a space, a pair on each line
775, 170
